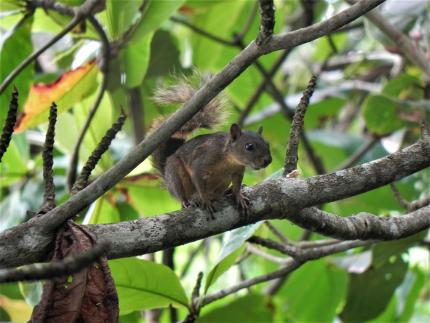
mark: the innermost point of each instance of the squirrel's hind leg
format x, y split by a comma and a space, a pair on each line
178, 181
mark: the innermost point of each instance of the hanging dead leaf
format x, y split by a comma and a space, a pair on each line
87, 296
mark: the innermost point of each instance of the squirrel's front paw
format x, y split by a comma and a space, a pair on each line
242, 203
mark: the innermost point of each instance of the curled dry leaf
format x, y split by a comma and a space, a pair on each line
86, 296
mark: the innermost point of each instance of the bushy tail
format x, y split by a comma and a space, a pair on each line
212, 115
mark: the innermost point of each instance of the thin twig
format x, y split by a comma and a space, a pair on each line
67, 266
48, 163
195, 301
403, 202
248, 24
258, 252
289, 267
260, 89
267, 21
9, 123
101, 148
291, 157
104, 67
359, 153
191, 257
409, 206
418, 204
202, 32
276, 232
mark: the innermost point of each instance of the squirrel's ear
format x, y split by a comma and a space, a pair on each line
260, 130
235, 131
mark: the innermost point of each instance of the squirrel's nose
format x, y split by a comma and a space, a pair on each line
267, 161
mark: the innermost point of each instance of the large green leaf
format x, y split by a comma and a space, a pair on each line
120, 15
250, 308
135, 59
14, 163
102, 212
232, 247
143, 285
314, 292
383, 251
15, 46
164, 55
369, 293
382, 114
155, 13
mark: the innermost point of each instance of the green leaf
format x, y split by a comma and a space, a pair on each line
15, 46
155, 14
14, 163
164, 55
32, 291
232, 247
135, 59
381, 115
383, 251
120, 15
134, 317
103, 212
250, 308
409, 292
319, 112
401, 84
144, 285
369, 293
150, 201
317, 287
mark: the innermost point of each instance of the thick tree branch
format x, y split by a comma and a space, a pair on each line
276, 198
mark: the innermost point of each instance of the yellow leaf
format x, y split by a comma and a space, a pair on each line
18, 310
67, 90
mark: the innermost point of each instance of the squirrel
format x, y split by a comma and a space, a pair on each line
199, 171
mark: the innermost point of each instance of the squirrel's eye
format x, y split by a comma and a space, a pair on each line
249, 147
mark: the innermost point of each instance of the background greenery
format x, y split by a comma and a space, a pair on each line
385, 283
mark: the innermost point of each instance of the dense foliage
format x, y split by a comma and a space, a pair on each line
368, 96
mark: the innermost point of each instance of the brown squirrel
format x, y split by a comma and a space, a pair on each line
200, 170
